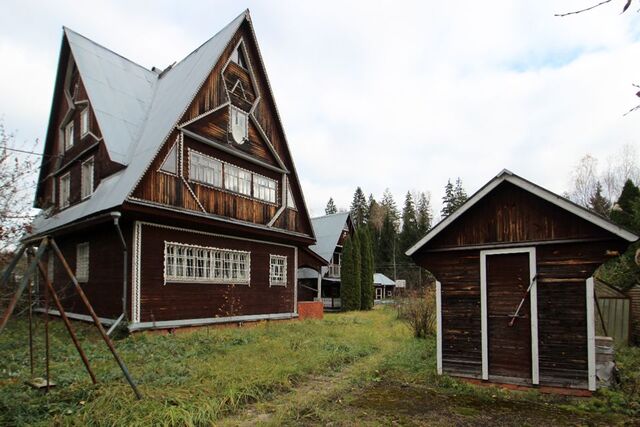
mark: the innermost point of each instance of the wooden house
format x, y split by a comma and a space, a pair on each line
514, 243
172, 192
323, 282
383, 287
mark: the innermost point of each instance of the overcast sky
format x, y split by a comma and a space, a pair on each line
392, 94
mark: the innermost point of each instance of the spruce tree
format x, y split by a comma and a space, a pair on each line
367, 267
409, 234
331, 207
386, 246
359, 208
459, 194
423, 210
624, 210
598, 203
389, 205
448, 201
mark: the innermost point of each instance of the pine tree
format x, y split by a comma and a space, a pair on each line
367, 267
331, 207
359, 208
598, 203
448, 201
423, 210
459, 194
389, 205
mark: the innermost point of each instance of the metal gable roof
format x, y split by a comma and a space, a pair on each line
327, 230
508, 176
136, 110
381, 279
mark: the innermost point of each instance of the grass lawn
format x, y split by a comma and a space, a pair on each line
353, 368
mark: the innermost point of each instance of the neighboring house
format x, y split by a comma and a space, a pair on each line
383, 286
514, 290
194, 161
331, 232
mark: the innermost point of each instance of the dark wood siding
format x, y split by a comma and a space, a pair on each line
104, 288
174, 301
511, 214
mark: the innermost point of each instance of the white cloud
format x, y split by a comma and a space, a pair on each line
382, 94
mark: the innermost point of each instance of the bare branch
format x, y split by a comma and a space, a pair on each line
590, 8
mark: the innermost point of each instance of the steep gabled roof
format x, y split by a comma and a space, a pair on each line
136, 110
508, 176
328, 229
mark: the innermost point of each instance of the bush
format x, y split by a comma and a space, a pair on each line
417, 309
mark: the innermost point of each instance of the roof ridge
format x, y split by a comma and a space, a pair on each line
327, 215
67, 29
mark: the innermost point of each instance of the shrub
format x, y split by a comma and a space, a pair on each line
417, 309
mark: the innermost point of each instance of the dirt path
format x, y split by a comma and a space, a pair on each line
299, 405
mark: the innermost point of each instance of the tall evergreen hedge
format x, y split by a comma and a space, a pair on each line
366, 277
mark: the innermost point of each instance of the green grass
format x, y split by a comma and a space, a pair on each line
354, 368
187, 379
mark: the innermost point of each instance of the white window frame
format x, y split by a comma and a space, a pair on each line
265, 189
277, 270
84, 122
68, 135
64, 190
86, 188
234, 118
237, 179
186, 263
82, 262
205, 169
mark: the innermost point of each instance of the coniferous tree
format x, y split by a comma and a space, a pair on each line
347, 277
459, 194
448, 201
389, 205
409, 234
386, 246
359, 208
355, 302
331, 207
598, 203
623, 211
423, 209
367, 268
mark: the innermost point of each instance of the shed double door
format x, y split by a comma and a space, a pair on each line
509, 347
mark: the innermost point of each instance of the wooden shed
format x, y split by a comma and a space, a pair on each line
515, 293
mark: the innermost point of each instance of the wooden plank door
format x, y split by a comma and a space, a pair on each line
509, 347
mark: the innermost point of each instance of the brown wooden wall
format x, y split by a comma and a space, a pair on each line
104, 288
162, 188
511, 214
173, 301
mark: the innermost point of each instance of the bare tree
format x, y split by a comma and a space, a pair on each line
593, 6
584, 180
17, 182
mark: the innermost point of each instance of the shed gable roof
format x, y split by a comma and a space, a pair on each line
508, 176
328, 229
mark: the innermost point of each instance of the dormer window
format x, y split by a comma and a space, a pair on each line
238, 57
239, 125
68, 136
84, 122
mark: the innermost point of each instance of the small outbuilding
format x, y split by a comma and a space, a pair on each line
514, 289
383, 286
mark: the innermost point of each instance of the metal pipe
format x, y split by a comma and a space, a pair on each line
46, 334
7, 271
49, 287
30, 331
125, 257
93, 314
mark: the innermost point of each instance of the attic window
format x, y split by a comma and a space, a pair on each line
170, 163
238, 57
291, 203
68, 136
239, 124
84, 122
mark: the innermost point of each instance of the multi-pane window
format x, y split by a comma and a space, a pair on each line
187, 263
277, 270
68, 136
82, 262
86, 184
236, 179
264, 188
84, 122
205, 169
64, 190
